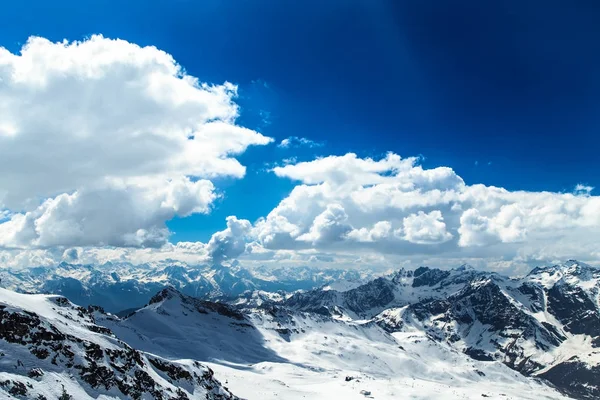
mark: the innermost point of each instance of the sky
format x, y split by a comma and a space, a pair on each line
329, 133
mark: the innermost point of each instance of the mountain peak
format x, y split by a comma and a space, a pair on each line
570, 267
167, 293
465, 267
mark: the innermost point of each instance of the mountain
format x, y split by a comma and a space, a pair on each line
546, 324
292, 354
398, 289
120, 286
53, 349
427, 334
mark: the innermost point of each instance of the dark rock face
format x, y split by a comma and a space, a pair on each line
429, 277
25, 327
488, 305
426, 308
574, 377
317, 301
478, 354
571, 306
374, 295
535, 294
14, 388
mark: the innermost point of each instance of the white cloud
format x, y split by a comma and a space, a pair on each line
112, 139
112, 215
295, 141
329, 226
389, 213
395, 206
583, 189
507, 226
381, 230
229, 243
422, 228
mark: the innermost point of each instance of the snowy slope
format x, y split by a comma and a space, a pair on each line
293, 355
50, 347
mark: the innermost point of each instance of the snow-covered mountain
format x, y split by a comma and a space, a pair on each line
51, 348
427, 334
121, 286
546, 324
292, 355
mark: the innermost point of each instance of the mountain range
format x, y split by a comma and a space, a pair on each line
122, 286
424, 333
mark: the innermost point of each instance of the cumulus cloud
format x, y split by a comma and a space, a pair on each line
380, 231
295, 141
114, 215
230, 243
329, 226
425, 228
506, 226
395, 206
103, 141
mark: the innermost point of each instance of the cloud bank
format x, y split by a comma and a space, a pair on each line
395, 206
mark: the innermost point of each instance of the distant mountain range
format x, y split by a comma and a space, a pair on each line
427, 333
123, 286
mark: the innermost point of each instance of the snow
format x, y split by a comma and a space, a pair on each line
343, 285
276, 353
58, 373
415, 375
579, 346
63, 317
315, 358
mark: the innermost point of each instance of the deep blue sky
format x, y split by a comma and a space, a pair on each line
514, 83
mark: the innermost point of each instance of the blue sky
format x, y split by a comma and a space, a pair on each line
505, 94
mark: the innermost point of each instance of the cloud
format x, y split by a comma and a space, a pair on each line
225, 245
385, 213
393, 205
71, 255
112, 215
423, 228
329, 226
582, 189
507, 226
381, 230
229, 243
103, 141
294, 141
